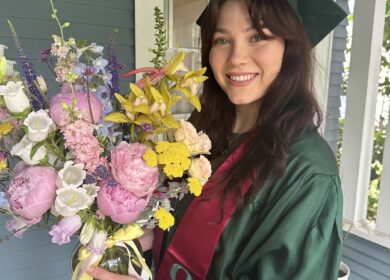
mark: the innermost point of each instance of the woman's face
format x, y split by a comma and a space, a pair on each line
244, 64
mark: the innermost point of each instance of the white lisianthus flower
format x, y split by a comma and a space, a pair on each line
92, 190
23, 150
71, 200
200, 169
72, 175
197, 143
39, 125
97, 244
15, 98
86, 233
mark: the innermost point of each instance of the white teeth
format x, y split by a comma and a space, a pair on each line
242, 78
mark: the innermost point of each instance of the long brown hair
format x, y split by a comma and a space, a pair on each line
287, 107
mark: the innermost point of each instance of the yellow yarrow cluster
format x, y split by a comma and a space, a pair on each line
5, 128
194, 186
174, 157
165, 219
150, 158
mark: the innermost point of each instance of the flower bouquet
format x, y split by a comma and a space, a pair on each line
95, 162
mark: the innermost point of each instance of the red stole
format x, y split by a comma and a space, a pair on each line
190, 252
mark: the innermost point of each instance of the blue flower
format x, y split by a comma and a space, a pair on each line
4, 204
100, 64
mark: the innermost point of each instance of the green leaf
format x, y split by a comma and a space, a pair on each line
35, 148
3, 63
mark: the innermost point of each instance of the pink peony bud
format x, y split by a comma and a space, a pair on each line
32, 191
122, 206
62, 232
56, 109
131, 171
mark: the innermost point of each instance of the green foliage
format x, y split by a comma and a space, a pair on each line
161, 41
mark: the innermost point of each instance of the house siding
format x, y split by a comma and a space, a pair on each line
34, 257
332, 114
367, 260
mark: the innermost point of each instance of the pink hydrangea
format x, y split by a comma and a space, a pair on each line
131, 171
32, 191
80, 140
122, 206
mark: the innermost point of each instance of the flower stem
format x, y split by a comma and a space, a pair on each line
89, 101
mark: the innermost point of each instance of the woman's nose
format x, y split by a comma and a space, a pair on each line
238, 54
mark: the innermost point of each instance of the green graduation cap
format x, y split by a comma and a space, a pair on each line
319, 17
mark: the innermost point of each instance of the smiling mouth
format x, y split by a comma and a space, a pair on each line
241, 78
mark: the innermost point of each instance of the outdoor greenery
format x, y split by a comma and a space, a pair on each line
381, 121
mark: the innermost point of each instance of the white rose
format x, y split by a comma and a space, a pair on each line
14, 97
23, 150
72, 175
71, 200
39, 125
200, 169
203, 145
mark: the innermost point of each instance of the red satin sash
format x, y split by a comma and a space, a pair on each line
190, 252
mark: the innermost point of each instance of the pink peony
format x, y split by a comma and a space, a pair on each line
122, 206
62, 232
32, 191
56, 109
131, 171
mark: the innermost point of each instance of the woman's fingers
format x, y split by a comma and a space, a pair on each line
102, 274
146, 240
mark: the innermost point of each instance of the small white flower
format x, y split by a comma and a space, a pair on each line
9, 68
71, 200
97, 244
72, 175
39, 125
86, 233
42, 84
23, 150
2, 48
92, 191
15, 98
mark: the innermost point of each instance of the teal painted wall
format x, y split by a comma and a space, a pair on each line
34, 257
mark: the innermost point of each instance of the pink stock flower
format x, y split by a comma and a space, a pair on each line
122, 206
131, 171
80, 140
62, 232
57, 112
32, 191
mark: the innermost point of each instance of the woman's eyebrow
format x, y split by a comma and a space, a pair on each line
246, 30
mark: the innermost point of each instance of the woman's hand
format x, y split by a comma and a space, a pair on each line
102, 274
146, 240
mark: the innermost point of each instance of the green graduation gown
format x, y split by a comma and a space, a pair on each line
292, 229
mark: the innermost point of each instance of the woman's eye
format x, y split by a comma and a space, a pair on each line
221, 41
257, 38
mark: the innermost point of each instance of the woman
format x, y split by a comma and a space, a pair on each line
273, 207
